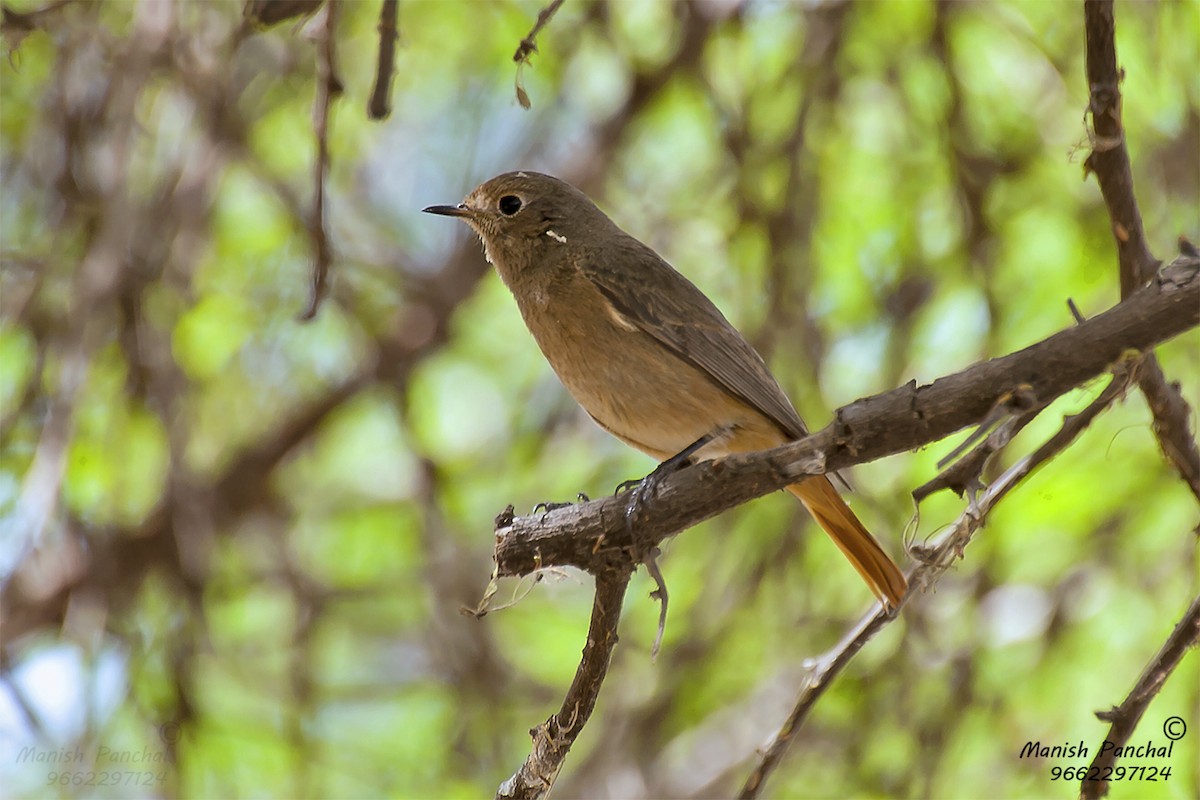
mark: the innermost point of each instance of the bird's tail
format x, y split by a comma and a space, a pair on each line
831, 512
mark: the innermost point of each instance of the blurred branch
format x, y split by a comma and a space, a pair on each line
933, 564
1109, 162
790, 222
902, 419
1125, 717
694, 32
264, 13
16, 25
379, 106
552, 739
975, 169
329, 86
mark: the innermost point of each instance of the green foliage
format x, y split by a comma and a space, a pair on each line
874, 193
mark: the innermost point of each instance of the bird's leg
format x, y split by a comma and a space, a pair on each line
672, 464
647, 487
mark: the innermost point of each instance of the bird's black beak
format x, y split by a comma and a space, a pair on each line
459, 210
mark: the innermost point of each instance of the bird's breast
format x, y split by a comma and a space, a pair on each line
630, 383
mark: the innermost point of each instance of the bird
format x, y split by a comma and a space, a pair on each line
646, 353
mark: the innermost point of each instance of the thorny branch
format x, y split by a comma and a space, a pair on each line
1012, 412
1109, 162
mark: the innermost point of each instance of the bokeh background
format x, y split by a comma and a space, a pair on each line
237, 544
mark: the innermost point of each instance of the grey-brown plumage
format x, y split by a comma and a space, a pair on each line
644, 351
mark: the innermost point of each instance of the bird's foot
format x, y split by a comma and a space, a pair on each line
644, 490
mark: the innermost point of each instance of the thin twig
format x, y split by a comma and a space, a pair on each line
1012, 412
528, 47
925, 575
329, 86
379, 106
1125, 717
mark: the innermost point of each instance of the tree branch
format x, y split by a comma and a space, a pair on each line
1125, 717
1109, 162
1109, 159
898, 420
552, 739
933, 565
903, 419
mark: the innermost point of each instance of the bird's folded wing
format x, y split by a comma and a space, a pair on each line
667, 306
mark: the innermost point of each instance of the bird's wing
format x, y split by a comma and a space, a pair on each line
663, 303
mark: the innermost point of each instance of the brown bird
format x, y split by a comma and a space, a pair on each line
644, 351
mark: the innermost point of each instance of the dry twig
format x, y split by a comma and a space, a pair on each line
552, 739
528, 47
1125, 717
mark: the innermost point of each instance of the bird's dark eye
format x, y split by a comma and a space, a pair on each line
510, 204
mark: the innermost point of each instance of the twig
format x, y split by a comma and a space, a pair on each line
1172, 423
379, 106
1012, 412
1109, 161
329, 86
660, 594
1125, 717
1075, 312
552, 739
933, 565
528, 47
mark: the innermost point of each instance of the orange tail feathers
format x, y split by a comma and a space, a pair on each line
831, 512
